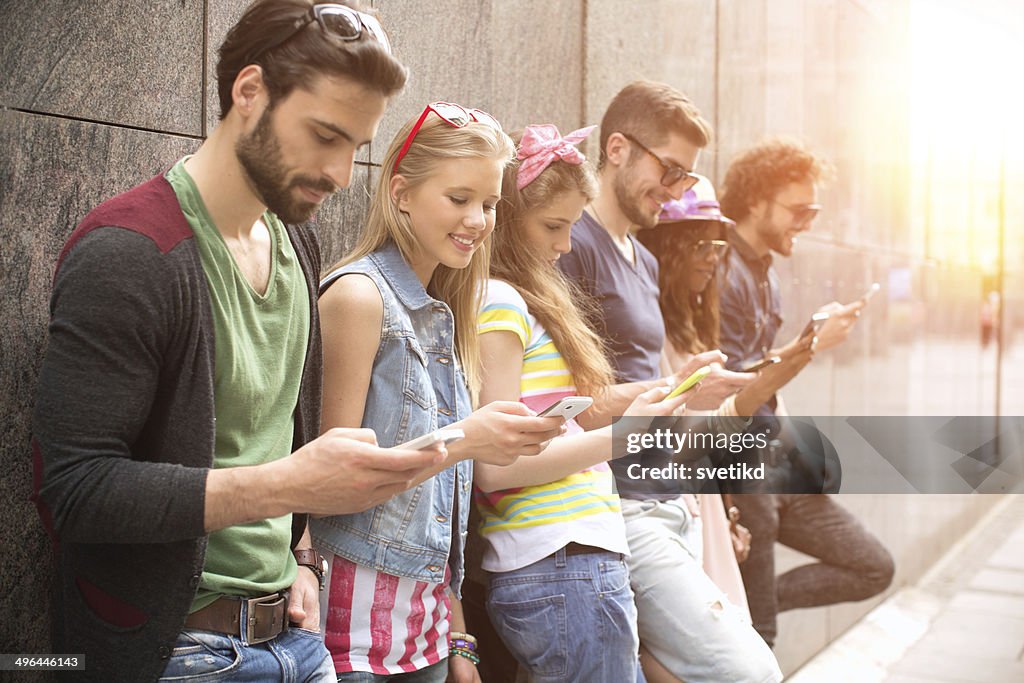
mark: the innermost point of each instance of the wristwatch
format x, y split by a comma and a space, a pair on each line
308, 557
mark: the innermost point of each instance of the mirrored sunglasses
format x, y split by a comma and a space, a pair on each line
337, 20
802, 213
704, 248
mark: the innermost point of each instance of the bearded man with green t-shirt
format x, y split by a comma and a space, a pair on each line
179, 400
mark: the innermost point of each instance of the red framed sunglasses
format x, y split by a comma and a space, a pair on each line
453, 114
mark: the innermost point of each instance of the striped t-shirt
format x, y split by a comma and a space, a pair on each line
523, 525
383, 623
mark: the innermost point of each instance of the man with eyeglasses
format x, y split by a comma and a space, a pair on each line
179, 400
651, 137
771, 191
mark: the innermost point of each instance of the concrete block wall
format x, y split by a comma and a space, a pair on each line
95, 97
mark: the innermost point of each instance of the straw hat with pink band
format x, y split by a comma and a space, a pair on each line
698, 207
699, 203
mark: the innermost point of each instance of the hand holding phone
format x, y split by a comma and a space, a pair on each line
872, 290
760, 365
814, 324
689, 382
567, 407
442, 436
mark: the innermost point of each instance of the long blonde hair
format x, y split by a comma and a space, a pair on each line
557, 304
435, 142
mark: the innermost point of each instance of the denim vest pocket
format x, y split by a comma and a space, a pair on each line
417, 385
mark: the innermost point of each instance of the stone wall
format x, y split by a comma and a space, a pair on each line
95, 97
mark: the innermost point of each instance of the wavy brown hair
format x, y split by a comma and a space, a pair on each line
436, 142
557, 304
762, 171
691, 318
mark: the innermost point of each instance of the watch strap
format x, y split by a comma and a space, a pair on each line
309, 557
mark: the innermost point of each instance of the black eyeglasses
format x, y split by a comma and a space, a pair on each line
704, 248
337, 20
802, 213
673, 174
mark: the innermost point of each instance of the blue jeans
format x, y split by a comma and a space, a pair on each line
204, 656
568, 618
435, 673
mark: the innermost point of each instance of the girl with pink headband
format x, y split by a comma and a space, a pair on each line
554, 537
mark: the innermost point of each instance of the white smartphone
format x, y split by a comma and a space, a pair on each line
445, 436
814, 324
568, 407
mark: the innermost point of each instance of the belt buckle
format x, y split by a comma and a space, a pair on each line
260, 622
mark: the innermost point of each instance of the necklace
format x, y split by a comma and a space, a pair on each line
625, 247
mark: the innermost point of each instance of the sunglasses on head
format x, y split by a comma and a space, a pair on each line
337, 20
802, 213
704, 248
672, 174
453, 114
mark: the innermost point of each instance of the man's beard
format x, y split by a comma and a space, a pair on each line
772, 237
628, 205
260, 156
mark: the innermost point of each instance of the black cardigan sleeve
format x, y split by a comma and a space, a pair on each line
115, 304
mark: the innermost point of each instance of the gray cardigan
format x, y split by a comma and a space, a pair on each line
124, 429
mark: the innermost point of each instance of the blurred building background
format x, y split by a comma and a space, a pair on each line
910, 99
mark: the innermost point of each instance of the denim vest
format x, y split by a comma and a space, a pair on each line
416, 386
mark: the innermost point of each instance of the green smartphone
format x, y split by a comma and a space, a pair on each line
689, 382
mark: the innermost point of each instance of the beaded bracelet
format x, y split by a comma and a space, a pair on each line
459, 642
459, 635
462, 652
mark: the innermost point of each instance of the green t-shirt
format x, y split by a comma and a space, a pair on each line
260, 343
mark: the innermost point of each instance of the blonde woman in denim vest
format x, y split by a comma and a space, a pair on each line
401, 359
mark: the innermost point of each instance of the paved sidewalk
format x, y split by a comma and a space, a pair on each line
963, 622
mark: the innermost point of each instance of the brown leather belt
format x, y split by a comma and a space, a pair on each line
574, 548
266, 617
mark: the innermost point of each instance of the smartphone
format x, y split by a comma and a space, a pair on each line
872, 290
568, 407
760, 365
814, 324
689, 382
445, 436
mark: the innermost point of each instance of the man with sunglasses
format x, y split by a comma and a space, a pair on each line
771, 191
179, 400
651, 136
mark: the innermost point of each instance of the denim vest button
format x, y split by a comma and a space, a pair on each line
441, 518
434, 568
444, 411
443, 360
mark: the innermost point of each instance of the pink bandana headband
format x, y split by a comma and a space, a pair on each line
542, 144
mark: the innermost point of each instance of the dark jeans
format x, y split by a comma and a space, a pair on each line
853, 565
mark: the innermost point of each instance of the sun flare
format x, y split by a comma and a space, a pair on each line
966, 106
